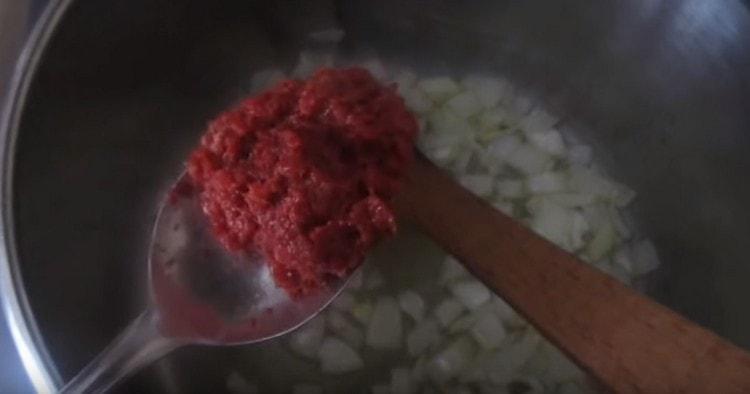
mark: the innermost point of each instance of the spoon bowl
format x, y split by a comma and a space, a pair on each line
199, 294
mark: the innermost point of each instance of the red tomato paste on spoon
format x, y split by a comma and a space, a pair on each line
304, 174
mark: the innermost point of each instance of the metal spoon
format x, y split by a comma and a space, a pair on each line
199, 294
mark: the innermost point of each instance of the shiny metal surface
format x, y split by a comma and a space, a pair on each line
662, 88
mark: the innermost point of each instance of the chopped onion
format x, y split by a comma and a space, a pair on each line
355, 280
373, 279
505, 312
401, 381
510, 188
528, 160
471, 293
548, 182
306, 340
538, 121
412, 304
488, 331
416, 100
362, 312
343, 302
549, 141
452, 360
481, 185
489, 91
505, 362
237, 384
439, 88
644, 257
463, 323
500, 148
384, 330
602, 243
447, 311
424, 335
464, 104
572, 200
559, 367
452, 270
344, 329
337, 357
376, 68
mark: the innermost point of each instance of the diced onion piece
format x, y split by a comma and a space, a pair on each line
344, 329
572, 200
471, 293
452, 360
489, 91
528, 160
481, 185
548, 182
559, 367
464, 104
439, 88
644, 257
412, 304
549, 141
510, 188
463, 323
306, 340
505, 207
424, 335
621, 257
500, 148
355, 280
452, 270
376, 68
447, 311
405, 79
337, 357
343, 302
555, 223
488, 331
362, 312
602, 242
237, 384
419, 371
416, 100
401, 381
373, 279
506, 361
505, 312
537, 121
307, 389
588, 181
384, 330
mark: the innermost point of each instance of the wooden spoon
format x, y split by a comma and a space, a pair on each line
627, 342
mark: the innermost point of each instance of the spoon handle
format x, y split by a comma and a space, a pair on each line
140, 344
627, 342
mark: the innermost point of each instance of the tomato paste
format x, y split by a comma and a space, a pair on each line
304, 174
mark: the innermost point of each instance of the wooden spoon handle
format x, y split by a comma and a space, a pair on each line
626, 341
